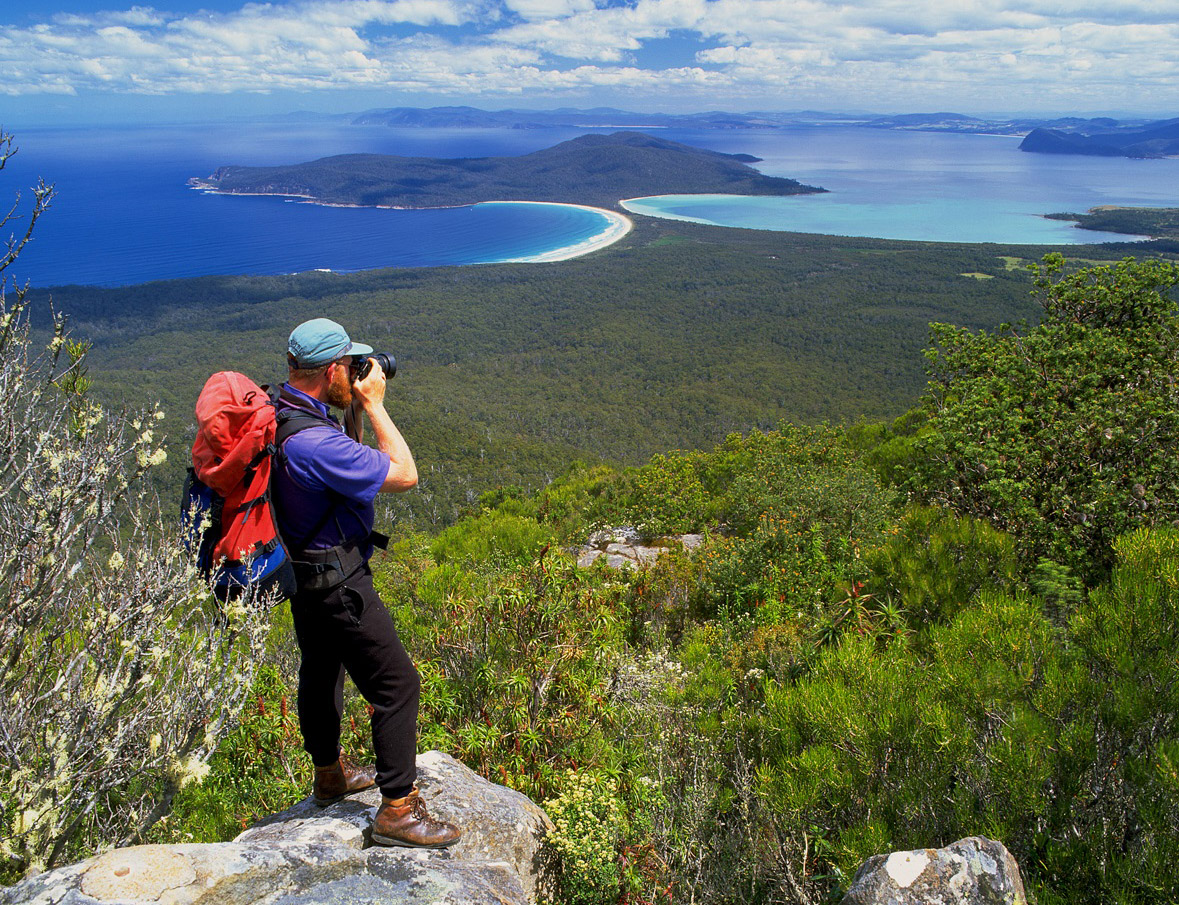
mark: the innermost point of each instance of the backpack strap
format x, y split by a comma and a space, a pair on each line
292, 418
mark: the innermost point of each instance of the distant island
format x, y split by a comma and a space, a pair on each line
592, 169
1156, 222
461, 117
1107, 138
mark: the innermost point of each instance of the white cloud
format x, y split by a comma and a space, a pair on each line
896, 52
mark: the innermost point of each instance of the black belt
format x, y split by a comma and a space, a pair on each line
326, 570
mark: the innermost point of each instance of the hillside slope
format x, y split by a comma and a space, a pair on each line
1156, 139
591, 169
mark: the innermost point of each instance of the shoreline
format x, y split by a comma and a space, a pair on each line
617, 226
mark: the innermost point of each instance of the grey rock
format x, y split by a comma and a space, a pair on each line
647, 556
498, 824
971, 871
623, 534
587, 556
343, 823
621, 548
309, 854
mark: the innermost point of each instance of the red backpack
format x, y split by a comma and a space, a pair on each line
226, 506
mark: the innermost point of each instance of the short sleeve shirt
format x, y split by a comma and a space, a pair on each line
325, 492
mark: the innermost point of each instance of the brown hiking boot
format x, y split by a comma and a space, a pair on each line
340, 779
405, 821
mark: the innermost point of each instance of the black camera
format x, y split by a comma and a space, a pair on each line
361, 365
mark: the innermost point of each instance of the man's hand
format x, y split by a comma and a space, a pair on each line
370, 393
371, 390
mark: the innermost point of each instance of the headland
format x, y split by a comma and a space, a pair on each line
589, 170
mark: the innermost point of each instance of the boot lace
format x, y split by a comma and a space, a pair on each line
419, 808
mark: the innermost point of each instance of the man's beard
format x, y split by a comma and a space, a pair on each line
339, 392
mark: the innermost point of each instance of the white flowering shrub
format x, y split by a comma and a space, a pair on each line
118, 672
588, 830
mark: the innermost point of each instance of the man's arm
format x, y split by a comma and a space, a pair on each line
403, 473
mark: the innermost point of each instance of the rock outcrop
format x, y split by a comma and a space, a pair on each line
625, 548
971, 871
309, 855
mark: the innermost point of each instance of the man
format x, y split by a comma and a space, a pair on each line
324, 490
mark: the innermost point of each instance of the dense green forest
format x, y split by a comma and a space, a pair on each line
590, 169
671, 339
938, 593
1158, 222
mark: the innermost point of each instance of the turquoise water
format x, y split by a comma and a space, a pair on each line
924, 186
124, 213
932, 220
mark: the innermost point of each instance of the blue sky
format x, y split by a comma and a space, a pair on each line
81, 60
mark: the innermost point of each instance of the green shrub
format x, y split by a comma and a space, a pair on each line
808, 475
514, 664
260, 767
781, 570
1121, 804
666, 496
934, 563
494, 535
1062, 434
571, 502
1061, 742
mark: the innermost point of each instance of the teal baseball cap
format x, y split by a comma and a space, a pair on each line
317, 342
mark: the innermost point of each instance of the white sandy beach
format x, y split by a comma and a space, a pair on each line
617, 226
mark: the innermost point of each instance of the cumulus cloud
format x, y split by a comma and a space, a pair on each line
896, 52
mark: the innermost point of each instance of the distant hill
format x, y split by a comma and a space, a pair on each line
939, 121
597, 117
591, 169
458, 117
1156, 139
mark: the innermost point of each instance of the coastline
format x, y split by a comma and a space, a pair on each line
667, 216
617, 226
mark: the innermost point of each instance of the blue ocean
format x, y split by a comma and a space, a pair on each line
124, 213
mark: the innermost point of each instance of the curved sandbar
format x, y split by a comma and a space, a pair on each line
617, 226
636, 206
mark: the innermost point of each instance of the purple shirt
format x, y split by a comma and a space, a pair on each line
324, 495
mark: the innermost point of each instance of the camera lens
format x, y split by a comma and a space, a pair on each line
384, 360
387, 362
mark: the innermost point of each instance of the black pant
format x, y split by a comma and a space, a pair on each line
350, 629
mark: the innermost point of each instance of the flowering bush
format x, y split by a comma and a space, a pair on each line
588, 827
117, 672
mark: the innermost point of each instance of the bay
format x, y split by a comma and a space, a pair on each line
124, 213
924, 186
